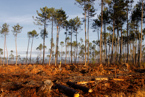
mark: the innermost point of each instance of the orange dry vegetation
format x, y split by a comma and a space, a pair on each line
25, 80
30, 69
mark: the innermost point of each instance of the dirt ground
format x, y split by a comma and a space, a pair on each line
105, 81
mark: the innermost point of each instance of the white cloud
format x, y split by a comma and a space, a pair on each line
26, 19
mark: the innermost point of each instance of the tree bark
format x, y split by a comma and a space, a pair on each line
121, 41
44, 42
76, 45
68, 91
57, 40
101, 32
66, 47
88, 37
141, 35
112, 58
127, 36
51, 43
83, 88
85, 39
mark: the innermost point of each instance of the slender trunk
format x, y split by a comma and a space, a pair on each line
4, 50
130, 50
112, 58
101, 32
115, 53
66, 47
141, 35
44, 42
105, 42
56, 52
127, 36
121, 42
16, 49
7, 54
31, 49
71, 46
88, 36
27, 50
109, 48
134, 53
76, 45
117, 45
51, 43
85, 39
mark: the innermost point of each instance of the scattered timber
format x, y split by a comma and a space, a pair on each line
76, 86
68, 91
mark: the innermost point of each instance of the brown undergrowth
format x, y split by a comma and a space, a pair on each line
105, 81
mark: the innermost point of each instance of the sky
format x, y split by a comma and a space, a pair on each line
21, 11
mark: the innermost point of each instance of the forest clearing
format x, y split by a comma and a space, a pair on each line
58, 55
71, 81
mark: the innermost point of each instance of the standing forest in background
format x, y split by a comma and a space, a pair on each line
119, 39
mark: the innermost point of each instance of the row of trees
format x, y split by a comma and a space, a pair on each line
119, 26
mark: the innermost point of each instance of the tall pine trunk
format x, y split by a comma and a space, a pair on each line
4, 50
66, 47
44, 42
101, 32
51, 43
57, 40
112, 58
127, 36
27, 50
7, 54
76, 45
71, 46
16, 49
121, 42
85, 39
141, 35
31, 49
88, 36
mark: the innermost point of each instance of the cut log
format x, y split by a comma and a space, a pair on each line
139, 70
118, 79
68, 91
101, 78
76, 86
85, 82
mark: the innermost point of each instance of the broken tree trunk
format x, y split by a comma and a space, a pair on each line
76, 86
68, 91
